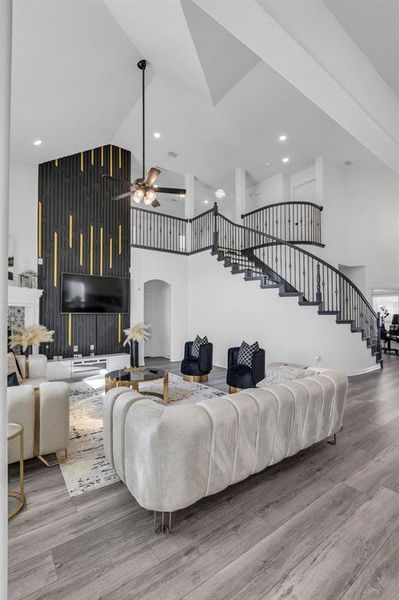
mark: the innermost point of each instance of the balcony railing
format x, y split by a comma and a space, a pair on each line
294, 222
156, 231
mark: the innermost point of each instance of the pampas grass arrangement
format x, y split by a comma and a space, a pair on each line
30, 336
137, 333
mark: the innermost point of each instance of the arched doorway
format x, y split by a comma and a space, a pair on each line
157, 312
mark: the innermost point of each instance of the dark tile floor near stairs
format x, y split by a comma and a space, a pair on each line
322, 525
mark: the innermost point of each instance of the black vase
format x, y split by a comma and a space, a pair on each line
134, 354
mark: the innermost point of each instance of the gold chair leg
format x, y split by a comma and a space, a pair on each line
195, 378
53, 463
234, 390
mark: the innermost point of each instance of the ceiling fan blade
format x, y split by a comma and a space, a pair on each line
152, 176
155, 204
106, 176
120, 196
167, 190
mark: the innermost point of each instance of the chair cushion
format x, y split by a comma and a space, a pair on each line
190, 366
246, 353
195, 348
240, 376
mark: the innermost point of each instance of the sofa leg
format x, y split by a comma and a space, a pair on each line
165, 524
333, 441
53, 463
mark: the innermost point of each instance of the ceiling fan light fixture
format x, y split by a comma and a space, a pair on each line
220, 194
138, 196
150, 197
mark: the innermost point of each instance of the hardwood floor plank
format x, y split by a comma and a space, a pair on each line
330, 569
30, 576
264, 565
379, 580
32, 543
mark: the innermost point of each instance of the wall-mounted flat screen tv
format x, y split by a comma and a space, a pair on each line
94, 295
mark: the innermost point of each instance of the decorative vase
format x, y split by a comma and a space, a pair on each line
134, 354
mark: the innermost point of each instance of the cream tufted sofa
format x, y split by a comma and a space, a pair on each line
171, 456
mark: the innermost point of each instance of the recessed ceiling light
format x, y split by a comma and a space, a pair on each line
285, 159
206, 201
268, 164
282, 137
157, 134
183, 195
220, 194
37, 142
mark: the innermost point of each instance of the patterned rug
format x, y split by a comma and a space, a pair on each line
87, 468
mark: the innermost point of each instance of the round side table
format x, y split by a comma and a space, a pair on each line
13, 431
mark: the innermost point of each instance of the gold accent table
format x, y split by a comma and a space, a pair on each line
133, 376
13, 431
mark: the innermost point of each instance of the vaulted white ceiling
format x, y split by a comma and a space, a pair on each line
215, 103
374, 26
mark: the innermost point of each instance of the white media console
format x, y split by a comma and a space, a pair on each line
68, 368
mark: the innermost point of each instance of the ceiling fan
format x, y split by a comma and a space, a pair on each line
144, 189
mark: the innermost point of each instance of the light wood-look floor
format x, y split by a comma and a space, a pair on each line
323, 525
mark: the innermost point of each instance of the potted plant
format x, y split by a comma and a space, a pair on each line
25, 337
134, 335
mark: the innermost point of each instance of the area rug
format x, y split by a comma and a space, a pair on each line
87, 468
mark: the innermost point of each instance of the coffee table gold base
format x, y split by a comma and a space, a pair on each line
195, 378
135, 385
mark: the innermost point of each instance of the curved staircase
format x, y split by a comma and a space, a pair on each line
275, 262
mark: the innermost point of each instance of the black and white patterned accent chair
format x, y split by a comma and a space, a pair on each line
197, 362
245, 366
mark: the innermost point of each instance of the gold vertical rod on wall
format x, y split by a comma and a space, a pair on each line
81, 249
101, 249
119, 329
69, 329
55, 255
39, 229
102, 156
120, 240
110, 253
120, 158
70, 230
92, 157
91, 249
110, 161
81, 161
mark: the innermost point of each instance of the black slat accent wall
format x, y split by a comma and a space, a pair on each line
81, 230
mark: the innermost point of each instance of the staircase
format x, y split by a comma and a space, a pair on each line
273, 261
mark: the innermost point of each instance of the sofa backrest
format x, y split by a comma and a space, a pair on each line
173, 455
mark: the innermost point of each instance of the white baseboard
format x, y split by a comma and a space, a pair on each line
364, 371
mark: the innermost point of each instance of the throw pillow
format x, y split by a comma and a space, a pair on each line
282, 374
12, 380
13, 366
246, 353
195, 348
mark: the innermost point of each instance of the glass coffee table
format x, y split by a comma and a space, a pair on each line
132, 377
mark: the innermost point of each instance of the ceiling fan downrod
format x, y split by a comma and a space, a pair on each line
142, 64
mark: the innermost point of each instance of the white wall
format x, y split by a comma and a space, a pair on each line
228, 309
157, 312
23, 216
360, 222
173, 269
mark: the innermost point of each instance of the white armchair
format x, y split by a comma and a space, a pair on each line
42, 407
37, 369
